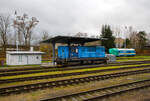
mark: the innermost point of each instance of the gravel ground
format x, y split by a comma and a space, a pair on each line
140, 95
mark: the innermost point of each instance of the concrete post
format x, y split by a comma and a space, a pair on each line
69, 49
53, 59
82, 44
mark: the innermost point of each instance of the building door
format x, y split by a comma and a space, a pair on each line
73, 52
27, 59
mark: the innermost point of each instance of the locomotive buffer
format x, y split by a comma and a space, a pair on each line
74, 50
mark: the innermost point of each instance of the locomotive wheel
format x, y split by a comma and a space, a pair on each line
81, 62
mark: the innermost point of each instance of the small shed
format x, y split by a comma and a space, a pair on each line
23, 57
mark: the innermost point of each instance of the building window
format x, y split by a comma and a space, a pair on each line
91, 49
20, 58
37, 57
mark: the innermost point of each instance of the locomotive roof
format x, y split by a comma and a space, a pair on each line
125, 48
69, 39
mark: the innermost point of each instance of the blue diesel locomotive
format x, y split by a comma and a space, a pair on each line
122, 52
80, 54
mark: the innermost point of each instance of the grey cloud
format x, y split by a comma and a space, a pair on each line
72, 16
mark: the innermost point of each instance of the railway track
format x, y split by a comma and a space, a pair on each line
31, 87
65, 74
55, 68
97, 94
49, 69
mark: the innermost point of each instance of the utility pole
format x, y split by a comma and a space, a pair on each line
125, 44
16, 33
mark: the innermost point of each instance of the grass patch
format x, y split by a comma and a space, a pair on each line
35, 70
17, 66
68, 71
125, 60
46, 61
134, 57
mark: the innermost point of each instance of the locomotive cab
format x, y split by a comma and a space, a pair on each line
65, 52
80, 54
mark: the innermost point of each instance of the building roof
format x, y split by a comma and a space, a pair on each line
70, 39
24, 52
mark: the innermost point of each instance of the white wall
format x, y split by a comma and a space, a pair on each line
34, 59
7, 59
23, 59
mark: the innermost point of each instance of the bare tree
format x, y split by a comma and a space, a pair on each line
118, 36
12, 39
133, 39
92, 36
45, 35
148, 39
79, 34
24, 26
4, 30
141, 39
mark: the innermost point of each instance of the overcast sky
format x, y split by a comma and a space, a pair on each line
72, 16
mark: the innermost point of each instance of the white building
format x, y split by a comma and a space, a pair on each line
23, 57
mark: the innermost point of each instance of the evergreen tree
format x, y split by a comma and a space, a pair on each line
127, 43
141, 39
108, 35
